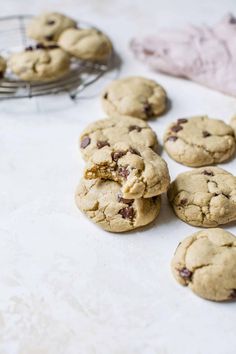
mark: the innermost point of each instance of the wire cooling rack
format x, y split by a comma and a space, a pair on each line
82, 74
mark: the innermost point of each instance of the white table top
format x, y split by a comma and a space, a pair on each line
67, 287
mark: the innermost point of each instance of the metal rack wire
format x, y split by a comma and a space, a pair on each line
82, 74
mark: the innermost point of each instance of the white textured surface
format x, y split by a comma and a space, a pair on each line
67, 287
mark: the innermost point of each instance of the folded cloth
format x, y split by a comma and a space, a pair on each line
203, 54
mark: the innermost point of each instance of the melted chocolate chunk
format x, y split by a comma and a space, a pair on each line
182, 120
49, 38
85, 142
134, 127
101, 144
172, 138
50, 22
127, 213
185, 273
184, 201
123, 200
205, 134
117, 155
147, 109
208, 173
176, 128
123, 172
134, 151
29, 48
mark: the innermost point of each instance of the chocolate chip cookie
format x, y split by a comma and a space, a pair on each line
139, 170
204, 196
86, 44
107, 132
233, 125
134, 96
103, 202
47, 27
199, 141
3, 66
40, 63
206, 263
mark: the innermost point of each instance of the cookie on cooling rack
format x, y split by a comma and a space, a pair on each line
47, 27
40, 63
86, 44
3, 66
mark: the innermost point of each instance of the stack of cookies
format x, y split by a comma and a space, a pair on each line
58, 40
124, 176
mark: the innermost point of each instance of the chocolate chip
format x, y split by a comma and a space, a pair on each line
205, 134
123, 172
40, 46
134, 127
52, 46
105, 96
176, 128
117, 155
85, 142
49, 38
50, 22
134, 151
29, 48
208, 173
127, 213
185, 273
184, 201
101, 144
182, 120
147, 109
172, 138
123, 200
233, 294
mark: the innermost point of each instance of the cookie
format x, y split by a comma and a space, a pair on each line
104, 204
86, 44
47, 27
40, 63
204, 196
206, 263
139, 170
135, 97
107, 132
233, 125
199, 141
3, 66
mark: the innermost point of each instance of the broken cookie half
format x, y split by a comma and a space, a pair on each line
139, 170
206, 263
103, 203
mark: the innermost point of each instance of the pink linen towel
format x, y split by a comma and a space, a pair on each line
204, 54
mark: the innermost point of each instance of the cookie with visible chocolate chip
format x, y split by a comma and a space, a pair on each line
204, 197
233, 124
47, 27
139, 170
3, 66
86, 44
199, 141
206, 263
40, 63
103, 203
134, 96
107, 132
